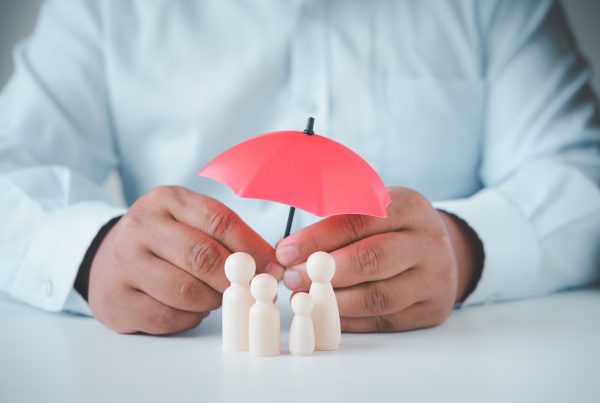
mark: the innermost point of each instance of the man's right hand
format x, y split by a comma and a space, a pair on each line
160, 270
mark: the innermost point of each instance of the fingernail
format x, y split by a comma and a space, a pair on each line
275, 269
287, 254
278, 242
292, 280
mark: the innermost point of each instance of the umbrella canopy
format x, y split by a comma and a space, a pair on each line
303, 170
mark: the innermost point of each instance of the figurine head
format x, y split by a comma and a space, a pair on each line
240, 268
302, 303
263, 287
320, 267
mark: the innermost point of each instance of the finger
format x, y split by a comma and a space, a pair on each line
215, 219
381, 297
192, 251
374, 258
143, 313
157, 318
172, 286
296, 279
416, 316
341, 230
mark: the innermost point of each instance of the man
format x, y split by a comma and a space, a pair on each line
483, 108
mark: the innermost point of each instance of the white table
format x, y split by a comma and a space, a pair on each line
539, 350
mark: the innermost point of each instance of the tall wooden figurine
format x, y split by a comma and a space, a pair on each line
237, 300
320, 267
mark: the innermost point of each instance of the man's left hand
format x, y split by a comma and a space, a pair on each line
398, 273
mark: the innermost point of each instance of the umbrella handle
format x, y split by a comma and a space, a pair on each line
310, 124
288, 227
309, 131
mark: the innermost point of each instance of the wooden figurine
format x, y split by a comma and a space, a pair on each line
264, 319
237, 300
320, 268
302, 332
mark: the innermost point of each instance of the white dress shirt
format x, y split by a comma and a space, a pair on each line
482, 106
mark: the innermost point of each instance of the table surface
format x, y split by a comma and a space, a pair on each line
539, 350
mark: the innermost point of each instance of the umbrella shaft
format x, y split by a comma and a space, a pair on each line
288, 227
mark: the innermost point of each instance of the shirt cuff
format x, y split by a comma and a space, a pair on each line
75, 303
45, 278
511, 250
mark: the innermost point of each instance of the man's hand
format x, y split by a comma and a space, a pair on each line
160, 268
403, 272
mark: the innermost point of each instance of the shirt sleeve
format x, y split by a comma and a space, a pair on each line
538, 215
56, 150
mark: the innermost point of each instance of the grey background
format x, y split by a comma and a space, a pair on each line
17, 18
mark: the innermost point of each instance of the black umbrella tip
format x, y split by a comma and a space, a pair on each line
309, 126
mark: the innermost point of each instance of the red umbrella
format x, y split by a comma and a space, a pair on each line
303, 170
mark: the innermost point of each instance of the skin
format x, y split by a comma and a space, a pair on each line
403, 272
159, 270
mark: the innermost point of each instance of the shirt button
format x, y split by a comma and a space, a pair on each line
47, 289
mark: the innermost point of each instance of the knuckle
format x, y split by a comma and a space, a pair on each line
220, 222
448, 270
164, 320
395, 207
394, 191
110, 320
163, 191
158, 196
131, 222
368, 260
416, 200
441, 241
355, 225
202, 259
213, 303
438, 314
444, 278
384, 324
443, 266
163, 195
395, 210
375, 300
188, 290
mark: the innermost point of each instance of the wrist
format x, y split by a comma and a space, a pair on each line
468, 251
82, 280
